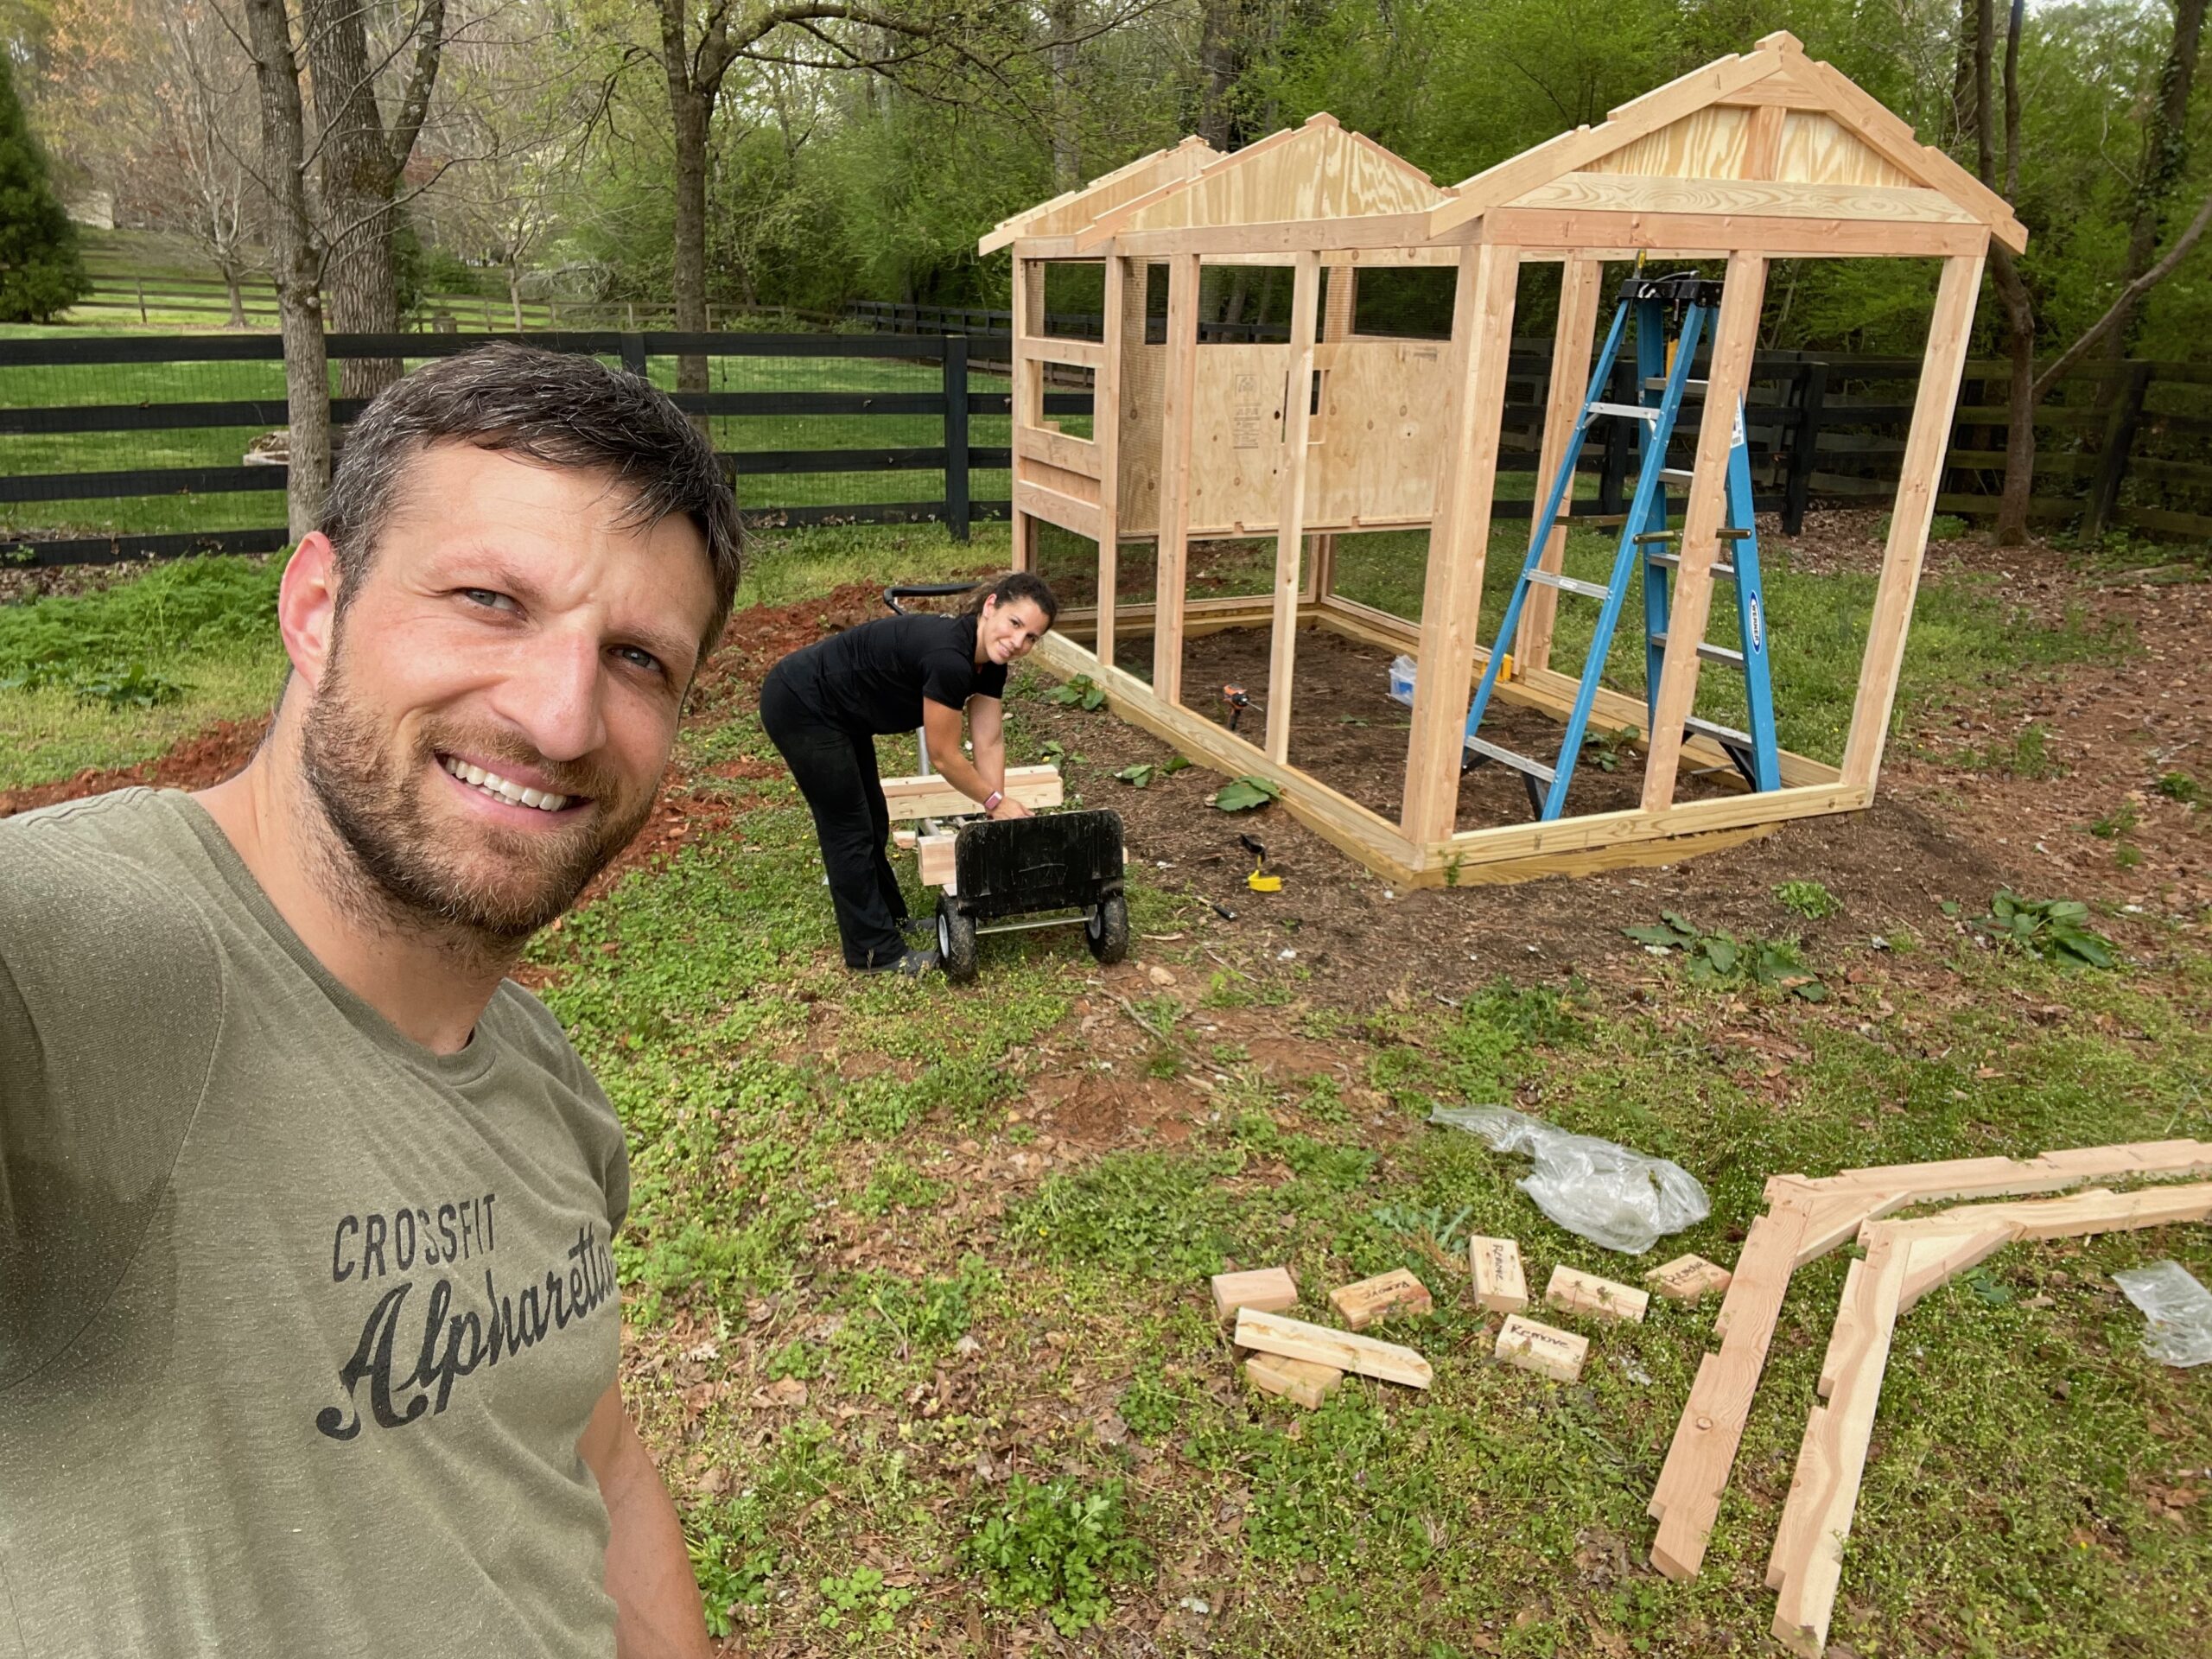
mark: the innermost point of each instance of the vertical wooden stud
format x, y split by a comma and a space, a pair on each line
1948, 336
1338, 309
1762, 149
1580, 282
1290, 525
1106, 434
1019, 366
1482, 336
1182, 367
1735, 338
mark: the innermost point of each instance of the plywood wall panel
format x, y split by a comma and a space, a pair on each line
1817, 149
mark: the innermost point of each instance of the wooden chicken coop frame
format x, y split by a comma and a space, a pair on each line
1771, 155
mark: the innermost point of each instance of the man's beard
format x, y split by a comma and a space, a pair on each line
443, 873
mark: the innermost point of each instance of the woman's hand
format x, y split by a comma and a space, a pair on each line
1009, 808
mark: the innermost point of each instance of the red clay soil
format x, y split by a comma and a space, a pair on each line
1937, 832
205, 758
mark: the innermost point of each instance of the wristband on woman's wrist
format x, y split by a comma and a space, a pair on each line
991, 801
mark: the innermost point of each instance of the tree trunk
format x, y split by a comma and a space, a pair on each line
1963, 67
1067, 144
2165, 157
514, 291
298, 258
357, 183
1219, 50
2020, 401
237, 295
690, 106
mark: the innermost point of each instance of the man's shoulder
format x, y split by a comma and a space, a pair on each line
90, 859
101, 914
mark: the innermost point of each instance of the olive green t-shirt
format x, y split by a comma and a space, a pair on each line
299, 1321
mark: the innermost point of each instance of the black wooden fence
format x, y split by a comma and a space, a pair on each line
2116, 447
1828, 428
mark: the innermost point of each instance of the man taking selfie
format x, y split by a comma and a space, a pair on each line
308, 1325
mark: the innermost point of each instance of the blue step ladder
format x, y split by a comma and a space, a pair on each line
1646, 544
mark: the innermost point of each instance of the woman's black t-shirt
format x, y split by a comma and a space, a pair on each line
872, 678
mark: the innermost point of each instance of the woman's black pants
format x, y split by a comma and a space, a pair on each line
835, 770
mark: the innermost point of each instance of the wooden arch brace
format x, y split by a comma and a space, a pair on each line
1905, 1260
1805, 1219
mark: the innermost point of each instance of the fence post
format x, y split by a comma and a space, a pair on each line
2111, 459
955, 435
1804, 446
142, 299
633, 351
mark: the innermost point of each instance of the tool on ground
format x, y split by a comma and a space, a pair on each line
1070, 864
1663, 365
1239, 700
1259, 881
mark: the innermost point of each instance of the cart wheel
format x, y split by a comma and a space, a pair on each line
1106, 930
956, 942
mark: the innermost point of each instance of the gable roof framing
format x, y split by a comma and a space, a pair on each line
1319, 172
1074, 209
1703, 144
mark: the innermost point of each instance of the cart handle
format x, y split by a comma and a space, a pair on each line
892, 595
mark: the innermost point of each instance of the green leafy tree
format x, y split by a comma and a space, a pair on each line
41, 273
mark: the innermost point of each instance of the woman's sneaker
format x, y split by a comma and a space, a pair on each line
914, 965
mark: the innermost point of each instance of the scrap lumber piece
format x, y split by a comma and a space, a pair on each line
1299, 1381
1270, 1333
1387, 1293
935, 855
1807, 1565
1686, 1500
930, 797
1268, 1289
1500, 1285
1688, 1279
1585, 1292
1543, 1348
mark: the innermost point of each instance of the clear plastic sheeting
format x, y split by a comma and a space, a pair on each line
2179, 1308
1402, 670
1596, 1189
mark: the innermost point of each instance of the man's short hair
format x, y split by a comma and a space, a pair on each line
562, 410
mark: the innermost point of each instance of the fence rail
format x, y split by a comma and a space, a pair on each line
2125, 456
2126, 453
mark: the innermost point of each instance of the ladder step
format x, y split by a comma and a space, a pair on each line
1630, 411
1718, 734
1711, 652
1570, 584
1505, 757
1676, 475
1673, 561
1658, 383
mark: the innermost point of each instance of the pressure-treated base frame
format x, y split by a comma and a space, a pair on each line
1577, 846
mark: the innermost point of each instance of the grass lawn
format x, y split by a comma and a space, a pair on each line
915, 1279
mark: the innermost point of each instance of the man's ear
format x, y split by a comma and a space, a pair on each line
307, 607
